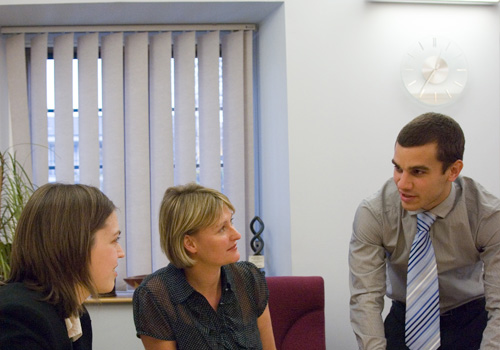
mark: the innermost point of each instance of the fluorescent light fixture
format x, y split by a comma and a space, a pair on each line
453, 2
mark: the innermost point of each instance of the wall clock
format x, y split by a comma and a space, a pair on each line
434, 71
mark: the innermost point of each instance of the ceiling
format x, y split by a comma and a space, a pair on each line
136, 13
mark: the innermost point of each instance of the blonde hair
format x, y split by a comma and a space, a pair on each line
53, 241
184, 211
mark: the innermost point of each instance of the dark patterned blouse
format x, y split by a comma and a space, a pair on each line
166, 307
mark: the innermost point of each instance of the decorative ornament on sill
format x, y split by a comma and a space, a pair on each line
257, 243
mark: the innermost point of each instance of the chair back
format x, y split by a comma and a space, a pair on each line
297, 307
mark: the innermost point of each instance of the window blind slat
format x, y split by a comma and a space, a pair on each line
63, 72
233, 133
137, 173
5, 125
38, 92
184, 104
88, 110
209, 110
18, 97
113, 152
249, 134
161, 134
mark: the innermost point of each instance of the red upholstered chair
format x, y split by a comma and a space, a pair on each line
297, 306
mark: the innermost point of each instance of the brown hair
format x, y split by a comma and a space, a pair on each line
184, 211
53, 241
434, 127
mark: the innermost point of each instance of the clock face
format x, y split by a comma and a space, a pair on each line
434, 71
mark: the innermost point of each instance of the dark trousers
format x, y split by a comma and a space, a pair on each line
461, 328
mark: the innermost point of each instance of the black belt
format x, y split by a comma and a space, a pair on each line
481, 302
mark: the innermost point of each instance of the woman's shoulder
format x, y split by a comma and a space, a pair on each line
244, 270
24, 315
17, 297
17, 292
248, 280
166, 281
244, 266
164, 275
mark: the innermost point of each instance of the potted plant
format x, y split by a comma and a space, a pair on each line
15, 189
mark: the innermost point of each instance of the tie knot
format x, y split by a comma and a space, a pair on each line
425, 220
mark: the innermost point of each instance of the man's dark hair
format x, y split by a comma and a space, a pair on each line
434, 127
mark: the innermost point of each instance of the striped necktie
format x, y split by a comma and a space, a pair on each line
422, 290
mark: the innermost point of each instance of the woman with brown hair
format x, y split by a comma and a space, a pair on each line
204, 299
65, 249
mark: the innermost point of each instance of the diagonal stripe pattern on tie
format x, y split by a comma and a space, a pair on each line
422, 290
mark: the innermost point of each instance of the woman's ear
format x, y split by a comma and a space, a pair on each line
190, 244
455, 170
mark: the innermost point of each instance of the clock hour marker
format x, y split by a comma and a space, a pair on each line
448, 93
435, 97
456, 82
411, 83
421, 46
461, 70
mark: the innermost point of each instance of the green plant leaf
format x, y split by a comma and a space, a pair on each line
15, 190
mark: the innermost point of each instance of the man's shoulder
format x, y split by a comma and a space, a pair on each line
469, 184
386, 197
476, 194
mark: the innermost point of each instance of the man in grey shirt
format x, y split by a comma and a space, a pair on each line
428, 159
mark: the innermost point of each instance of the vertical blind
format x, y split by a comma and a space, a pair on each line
177, 107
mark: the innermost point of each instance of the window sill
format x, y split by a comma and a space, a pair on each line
120, 298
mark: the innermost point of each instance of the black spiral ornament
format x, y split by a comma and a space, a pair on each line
257, 243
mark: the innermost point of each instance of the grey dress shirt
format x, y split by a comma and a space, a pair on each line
466, 240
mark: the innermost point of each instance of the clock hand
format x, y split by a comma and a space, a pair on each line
434, 70
438, 60
427, 82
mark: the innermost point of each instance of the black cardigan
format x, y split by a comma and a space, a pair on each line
28, 323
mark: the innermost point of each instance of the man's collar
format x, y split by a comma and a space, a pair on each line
443, 208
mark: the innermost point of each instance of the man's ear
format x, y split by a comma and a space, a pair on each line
455, 169
189, 244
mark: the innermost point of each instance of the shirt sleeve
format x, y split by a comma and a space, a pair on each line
261, 290
367, 268
256, 285
149, 318
489, 243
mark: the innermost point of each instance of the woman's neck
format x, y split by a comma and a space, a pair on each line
82, 294
206, 281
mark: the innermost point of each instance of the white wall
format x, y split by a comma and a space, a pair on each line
113, 327
345, 104
331, 104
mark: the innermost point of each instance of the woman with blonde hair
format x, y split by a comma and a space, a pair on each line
65, 249
205, 298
